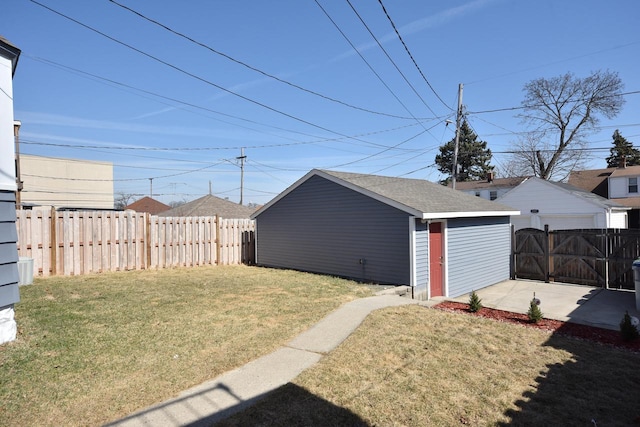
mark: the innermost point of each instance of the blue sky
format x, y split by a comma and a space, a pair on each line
160, 106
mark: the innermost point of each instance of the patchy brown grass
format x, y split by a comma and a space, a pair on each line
91, 349
412, 366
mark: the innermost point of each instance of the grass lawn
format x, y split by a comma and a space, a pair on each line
413, 366
91, 349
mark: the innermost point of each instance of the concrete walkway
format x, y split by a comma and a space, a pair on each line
235, 390
240, 388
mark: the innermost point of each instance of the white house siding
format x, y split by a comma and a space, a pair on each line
486, 193
9, 293
619, 187
323, 227
478, 253
7, 154
556, 207
618, 220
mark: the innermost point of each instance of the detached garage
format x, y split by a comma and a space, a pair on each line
439, 241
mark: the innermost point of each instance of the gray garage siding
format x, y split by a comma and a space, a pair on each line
478, 253
9, 293
323, 227
421, 259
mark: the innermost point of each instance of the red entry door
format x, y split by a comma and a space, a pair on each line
435, 260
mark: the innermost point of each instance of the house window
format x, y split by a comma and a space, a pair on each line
493, 195
477, 194
633, 185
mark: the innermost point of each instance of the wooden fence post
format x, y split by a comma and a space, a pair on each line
54, 241
217, 228
512, 258
147, 237
547, 252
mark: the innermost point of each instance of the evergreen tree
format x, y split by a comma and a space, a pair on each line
622, 149
473, 157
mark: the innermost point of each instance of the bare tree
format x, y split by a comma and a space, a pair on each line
562, 110
534, 157
178, 203
122, 200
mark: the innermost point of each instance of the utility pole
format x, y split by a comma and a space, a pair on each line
151, 187
454, 169
16, 133
242, 158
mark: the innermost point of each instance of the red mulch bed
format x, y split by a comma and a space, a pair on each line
591, 333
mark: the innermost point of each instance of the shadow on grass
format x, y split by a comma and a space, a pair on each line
586, 390
293, 406
218, 405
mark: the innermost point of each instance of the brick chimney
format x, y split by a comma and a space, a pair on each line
490, 177
623, 162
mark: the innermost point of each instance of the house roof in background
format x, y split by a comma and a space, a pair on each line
417, 197
630, 202
627, 171
509, 182
588, 195
149, 205
593, 180
210, 205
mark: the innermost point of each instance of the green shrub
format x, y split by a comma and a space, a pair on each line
475, 303
628, 330
534, 313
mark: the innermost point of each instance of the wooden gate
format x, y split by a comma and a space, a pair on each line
578, 256
531, 254
598, 257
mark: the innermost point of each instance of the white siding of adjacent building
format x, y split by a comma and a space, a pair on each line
619, 187
7, 154
559, 209
486, 193
618, 220
67, 183
9, 293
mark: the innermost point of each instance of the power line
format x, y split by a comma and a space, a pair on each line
188, 104
257, 70
123, 179
411, 56
86, 146
497, 110
229, 91
390, 59
364, 60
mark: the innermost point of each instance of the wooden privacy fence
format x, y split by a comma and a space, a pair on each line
74, 243
596, 257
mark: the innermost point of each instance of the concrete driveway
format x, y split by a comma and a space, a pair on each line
570, 303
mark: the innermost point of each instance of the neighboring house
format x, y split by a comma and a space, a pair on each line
380, 229
9, 278
562, 207
617, 184
210, 205
491, 188
148, 205
65, 183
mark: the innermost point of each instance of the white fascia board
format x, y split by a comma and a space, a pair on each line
445, 215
